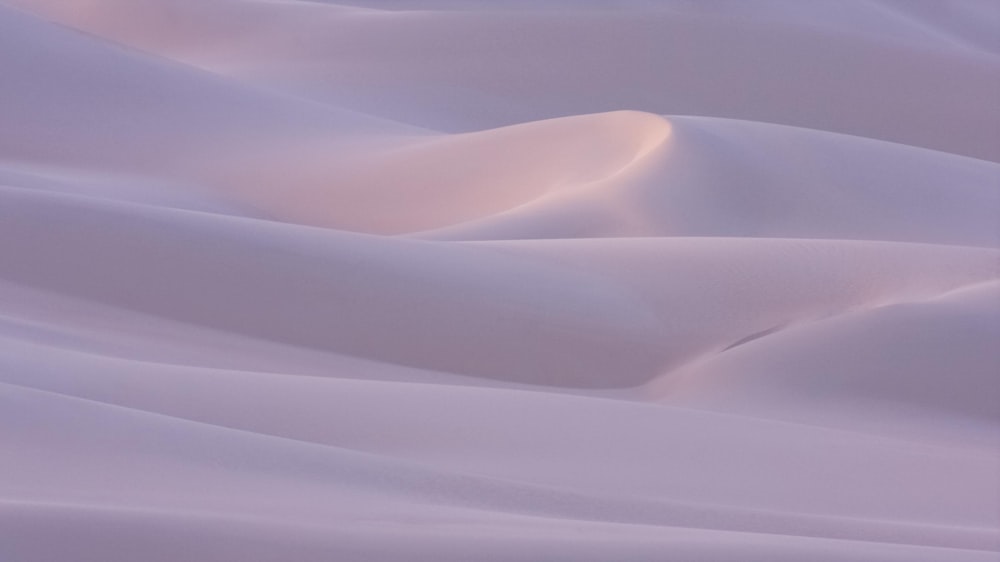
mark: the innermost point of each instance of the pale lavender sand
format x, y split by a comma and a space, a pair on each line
485, 280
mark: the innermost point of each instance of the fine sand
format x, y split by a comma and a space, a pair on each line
499, 281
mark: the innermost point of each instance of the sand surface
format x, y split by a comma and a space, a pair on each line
499, 281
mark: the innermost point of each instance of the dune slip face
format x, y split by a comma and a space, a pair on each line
499, 280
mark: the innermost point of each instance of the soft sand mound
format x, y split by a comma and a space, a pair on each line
906, 71
432, 182
574, 313
696, 280
718, 177
934, 360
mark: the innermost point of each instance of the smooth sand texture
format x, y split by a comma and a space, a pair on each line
484, 280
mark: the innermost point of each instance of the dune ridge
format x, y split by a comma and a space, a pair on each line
384, 281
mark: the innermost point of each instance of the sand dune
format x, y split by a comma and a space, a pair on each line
719, 177
591, 312
863, 361
425, 183
516, 65
385, 281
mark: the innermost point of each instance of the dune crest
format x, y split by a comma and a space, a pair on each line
434, 182
499, 280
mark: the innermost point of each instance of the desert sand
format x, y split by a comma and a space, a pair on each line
499, 280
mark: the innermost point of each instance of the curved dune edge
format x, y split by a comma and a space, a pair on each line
592, 312
425, 184
767, 63
721, 177
861, 356
355, 483
510, 281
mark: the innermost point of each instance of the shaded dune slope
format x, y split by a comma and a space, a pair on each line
386, 281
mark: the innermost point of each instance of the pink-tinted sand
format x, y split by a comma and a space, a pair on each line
499, 281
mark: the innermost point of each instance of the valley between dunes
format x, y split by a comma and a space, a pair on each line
511, 281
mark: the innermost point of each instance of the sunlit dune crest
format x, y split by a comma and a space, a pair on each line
463, 280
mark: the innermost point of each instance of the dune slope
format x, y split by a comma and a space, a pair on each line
441, 280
